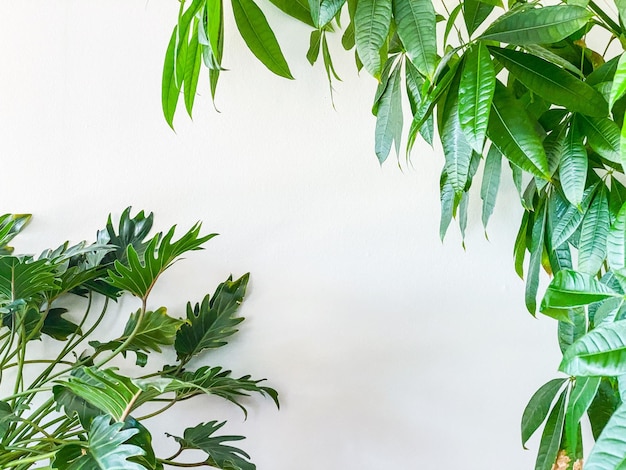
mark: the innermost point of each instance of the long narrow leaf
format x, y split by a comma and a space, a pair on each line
371, 22
417, 30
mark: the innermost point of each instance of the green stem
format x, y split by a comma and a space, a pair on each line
33, 459
612, 25
181, 464
159, 411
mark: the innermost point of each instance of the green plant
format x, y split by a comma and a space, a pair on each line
77, 411
538, 83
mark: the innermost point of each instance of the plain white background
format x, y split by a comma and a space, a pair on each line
389, 348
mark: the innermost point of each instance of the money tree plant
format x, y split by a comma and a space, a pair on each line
64, 404
536, 85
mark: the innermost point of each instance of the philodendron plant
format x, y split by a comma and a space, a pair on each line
539, 85
72, 409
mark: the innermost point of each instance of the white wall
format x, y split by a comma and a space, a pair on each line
389, 348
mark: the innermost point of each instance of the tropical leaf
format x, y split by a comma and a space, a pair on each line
57, 327
618, 88
571, 289
536, 254
6, 418
603, 136
24, 278
580, 399
490, 183
573, 167
75, 406
211, 322
544, 25
371, 26
538, 407
170, 88
389, 117
573, 328
601, 352
512, 131
10, 226
259, 37
192, 72
298, 9
415, 20
569, 222
609, 451
131, 231
475, 12
323, 11
551, 436
476, 90
139, 276
106, 449
616, 241
592, 244
220, 455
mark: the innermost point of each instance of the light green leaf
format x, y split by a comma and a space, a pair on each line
538, 407
603, 136
601, 352
220, 455
519, 250
573, 167
544, 25
259, 37
552, 83
450, 22
106, 449
551, 436
616, 241
475, 12
447, 200
573, 328
371, 22
513, 132
536, 253
10, 226
6, 418
569, 222
609, 451
478, 82
490, 183
416, 24
156, 329
593, 234
192, 72
323, 11
618, 87
580, 399
389, 119
211, 322
571, 289
298, 9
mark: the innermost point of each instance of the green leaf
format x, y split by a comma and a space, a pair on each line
259, 37
298, 9
519, 250
569, 222
371, 25
192, 72
618, 87
106, 449
534, 265
603, 136
573, 328
211, 322
450, 22
323, 11
156, 329
490, 183
389, 117
573, 167
170, 88
315, 42
544, 25
552, 83
478, 82
513, 132
140, 274
538, 407
571, 289
416, 24
57, 327
551, 436
593, 234
616, 241
75, 406
10, 226
609, 451
475, 12
580, 399
601, 352
23, 278
6, 418
606, 401
219, 455
447, 197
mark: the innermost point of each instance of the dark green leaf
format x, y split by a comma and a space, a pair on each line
538, 407
415, 20
447, 199
170, 88
609, 451
298, 9
605, 403
573, 328
10, 226
593, 235
580, 399
57, 327
603, 136
519, 250
551, 436
569, 222
475, 12
23, 278
259, 37
573, 167
6, 418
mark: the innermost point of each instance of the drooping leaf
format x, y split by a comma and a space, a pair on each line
616, 241
220, 455
447, 197
490, 183
538, 407
569, 222
573, 167
298, 9
609, 451
543, 25
551, 436
211, 322
106, 449
371, 26
571, 289
593, 235
476, 90
315, 41
536, 253
170, 89
618, 87
140, 274
551, 82
519, 250
57, 327
601, 352
603, 136
512, 131
416, 24
323, 11
259, 37
389, 117
192, 72
579, 401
